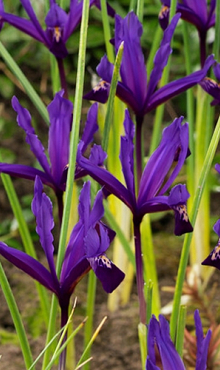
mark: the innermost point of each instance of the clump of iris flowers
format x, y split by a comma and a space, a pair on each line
88, 242
59, 27
152, 186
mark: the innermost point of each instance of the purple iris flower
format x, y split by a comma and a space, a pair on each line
86, 248
54, 173
214, 258
159, 335
155, 180
201, 13
59, 24
211, 86
138, 92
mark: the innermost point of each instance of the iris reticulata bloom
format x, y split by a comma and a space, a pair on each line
157, 176
86, 248
159, 336
59, 24
135, 88
200, 13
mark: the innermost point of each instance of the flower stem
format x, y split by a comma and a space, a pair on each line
59, 196
139, 271
138, 149
62, 77
202, 40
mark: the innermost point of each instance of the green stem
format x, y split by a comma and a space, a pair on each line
132, 5
180, 330
107, 32
172, 8
90, 305
110, 105
153, 50
16, 318
140, 10
149, 300
142, 336
190, 118
149, 262
186, 245
200, 248
75, 133
50, 331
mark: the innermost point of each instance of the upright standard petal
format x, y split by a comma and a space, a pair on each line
127, 153
91, 126
24, 121
56, 20
60, 113
202, 343
159, 334
173, 147
133, 68
161, 57
43, 210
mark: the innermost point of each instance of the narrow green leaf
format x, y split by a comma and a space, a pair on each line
16, 318
34, 97
110, 104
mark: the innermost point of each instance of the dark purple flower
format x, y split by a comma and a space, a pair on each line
88, 242
214, 258
52, 174
157, 176
159, 336
200, 13
134, 88
211, 86
59, 24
